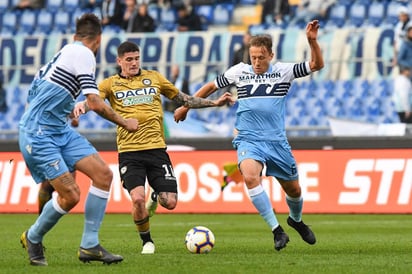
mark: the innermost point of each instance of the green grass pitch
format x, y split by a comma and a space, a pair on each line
244, 244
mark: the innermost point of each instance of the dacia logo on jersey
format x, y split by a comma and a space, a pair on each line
123, 94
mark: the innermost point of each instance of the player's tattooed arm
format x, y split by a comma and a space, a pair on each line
197, 102
95, 103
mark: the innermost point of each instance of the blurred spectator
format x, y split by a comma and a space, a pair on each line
187, 19
402, 92
29, 4
275, 11
3, 101
308, 10
112, 12
130, 10
180, 82
242, 54
405, 51
400, 31
137, 19
162, 3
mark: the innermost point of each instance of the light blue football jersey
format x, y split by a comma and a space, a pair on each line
56, 86
262, 98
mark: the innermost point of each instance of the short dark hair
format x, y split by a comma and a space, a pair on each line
126, 47
261, 40
88, 26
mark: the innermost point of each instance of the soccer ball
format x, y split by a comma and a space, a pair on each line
200, 240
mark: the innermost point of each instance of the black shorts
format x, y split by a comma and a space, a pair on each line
153, 164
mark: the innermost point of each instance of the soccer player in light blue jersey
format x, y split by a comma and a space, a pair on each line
261, 139
52, 149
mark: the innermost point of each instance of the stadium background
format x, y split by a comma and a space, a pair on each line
372, 172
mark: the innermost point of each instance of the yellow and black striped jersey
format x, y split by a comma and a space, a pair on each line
139, 97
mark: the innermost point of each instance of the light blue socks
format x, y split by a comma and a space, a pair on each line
94, 211
261, 201
51, 214
295, 207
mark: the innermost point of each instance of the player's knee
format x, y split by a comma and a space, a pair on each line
74, 201
107, 175
168, 200
69, 200
171, 205
252, 181
294, 192
138, 201
103, 178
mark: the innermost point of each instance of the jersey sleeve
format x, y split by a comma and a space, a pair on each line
292, 71
105, 88
166, 87
229, 76
85, 69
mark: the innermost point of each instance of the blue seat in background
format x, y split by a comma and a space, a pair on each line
9, 23
28, 21
168, 15
168, 18
357, 15
44, 22
376, 13
70, 5
392, 13
61, 22
248, 2
337, 16
205, 12
53, 5
4, 6
222, 14
365, 2
346, 3
327, 88
73, 18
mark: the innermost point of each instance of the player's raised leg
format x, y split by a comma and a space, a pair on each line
294, 201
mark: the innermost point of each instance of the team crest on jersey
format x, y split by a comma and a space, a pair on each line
147, 82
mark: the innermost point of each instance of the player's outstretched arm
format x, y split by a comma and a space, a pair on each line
316, 63
181, 112
197, 102
95, 103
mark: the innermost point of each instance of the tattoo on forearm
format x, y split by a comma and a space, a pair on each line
193, 102
108, 113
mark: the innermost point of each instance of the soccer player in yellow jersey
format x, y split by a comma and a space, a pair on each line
135, 92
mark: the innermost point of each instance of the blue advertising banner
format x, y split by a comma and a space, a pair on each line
202, 55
